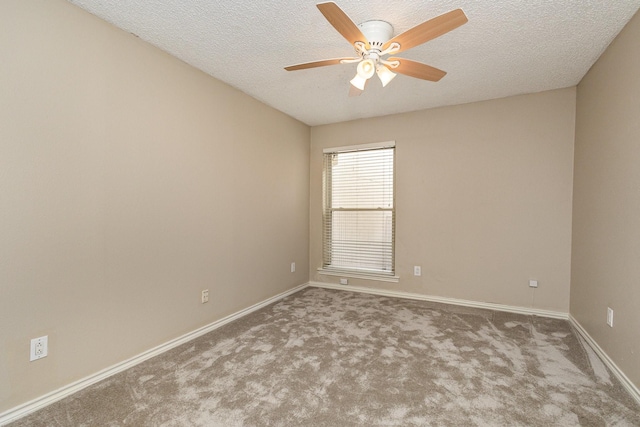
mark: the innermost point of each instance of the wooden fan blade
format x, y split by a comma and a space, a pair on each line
342, 23
315, 64
428, 30
417, 70
354, 91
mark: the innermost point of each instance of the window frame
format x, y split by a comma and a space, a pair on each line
379, 275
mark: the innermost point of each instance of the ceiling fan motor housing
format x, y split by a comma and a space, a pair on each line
377, 33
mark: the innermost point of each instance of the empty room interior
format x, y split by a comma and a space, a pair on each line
172, 230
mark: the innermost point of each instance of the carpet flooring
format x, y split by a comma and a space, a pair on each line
337, 358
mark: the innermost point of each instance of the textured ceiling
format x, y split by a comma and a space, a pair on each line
508, 47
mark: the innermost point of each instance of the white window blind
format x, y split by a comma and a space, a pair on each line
359, 211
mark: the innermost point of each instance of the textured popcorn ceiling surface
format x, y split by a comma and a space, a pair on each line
508, 47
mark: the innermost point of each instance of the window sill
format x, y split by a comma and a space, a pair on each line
359, 275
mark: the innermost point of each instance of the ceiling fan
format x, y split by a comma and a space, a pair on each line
373, 40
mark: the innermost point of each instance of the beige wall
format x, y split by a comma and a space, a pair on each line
606, 208
129, 182
483, 198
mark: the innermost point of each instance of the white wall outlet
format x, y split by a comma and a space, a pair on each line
344, 281
205, 295
39, 348
610, 317
293, 267
417, 270
533, 283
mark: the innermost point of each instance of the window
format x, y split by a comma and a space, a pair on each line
359, 210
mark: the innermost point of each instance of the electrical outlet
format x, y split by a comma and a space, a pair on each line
610, 317
533, 283
293, 267
417, 270
39, 348
205, 295
344, 281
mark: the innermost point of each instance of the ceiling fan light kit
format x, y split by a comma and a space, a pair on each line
384, 74
372, 40
377, 33
365, 71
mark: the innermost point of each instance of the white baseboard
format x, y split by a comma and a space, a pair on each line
49, 398
445, 300
624, 380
